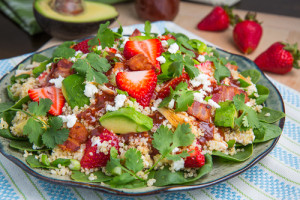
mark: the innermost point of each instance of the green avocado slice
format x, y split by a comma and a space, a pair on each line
126, 120
93, 12
225, 115
73, 91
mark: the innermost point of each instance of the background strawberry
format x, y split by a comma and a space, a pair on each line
247, 33
92, 158
279, 58
53, 93
217, 20
139, 84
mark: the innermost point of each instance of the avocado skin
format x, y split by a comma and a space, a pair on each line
126, 120
225, 115
73, 91
68, 30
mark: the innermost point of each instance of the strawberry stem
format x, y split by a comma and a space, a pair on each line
293, 49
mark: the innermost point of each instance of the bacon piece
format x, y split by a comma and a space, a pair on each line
139, 62
77, 136
62, 68
223, 93
200, 110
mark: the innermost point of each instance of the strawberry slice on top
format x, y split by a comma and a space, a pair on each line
151, 48
82, 46
195, 160
53, 93
138, 84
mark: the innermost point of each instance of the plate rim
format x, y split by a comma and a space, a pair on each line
172, 188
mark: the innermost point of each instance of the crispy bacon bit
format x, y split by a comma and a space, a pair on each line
77, 136
139, 62
62, 68
200, 111
223, 93
208, 129
136, 32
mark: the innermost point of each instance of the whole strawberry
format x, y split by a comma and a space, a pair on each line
247, 33
279, 58
217, 20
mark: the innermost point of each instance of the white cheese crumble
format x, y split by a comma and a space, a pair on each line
119, 102
251, 89
164, 43
178, 165
161, 59
173, 48
90, 89
199, 96
92, 177
57, 81
171, 104
201, 58
78, 53
202, 79
99, 48
213, 103
150, 182
119, 55
73, 59
48, 65
267, 115
69, 119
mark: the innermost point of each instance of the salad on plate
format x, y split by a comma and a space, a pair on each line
135, 111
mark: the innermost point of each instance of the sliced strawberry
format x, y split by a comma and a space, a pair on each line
151, 48
43, 78
165, 90
111, 50
139, 84
82, 46
93, 157
207, 68
53, 93
195, 160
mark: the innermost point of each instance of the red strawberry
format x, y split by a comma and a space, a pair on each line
166, 37
279, 58
82, 46
151, 48
195, 160
139, 84
247, 34
53, 93
92, 157
217, 20
165, 90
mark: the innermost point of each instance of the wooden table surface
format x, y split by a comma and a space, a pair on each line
275, 28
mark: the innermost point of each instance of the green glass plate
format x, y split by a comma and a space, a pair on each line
221, 170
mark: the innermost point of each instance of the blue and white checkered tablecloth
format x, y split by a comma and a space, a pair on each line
277, 176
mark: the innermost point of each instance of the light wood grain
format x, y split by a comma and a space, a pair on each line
275, 28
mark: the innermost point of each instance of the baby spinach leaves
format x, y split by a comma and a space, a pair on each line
240, 156
266, 132
269, 115
82, 177
253, 74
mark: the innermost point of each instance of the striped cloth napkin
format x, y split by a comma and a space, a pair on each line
277, 176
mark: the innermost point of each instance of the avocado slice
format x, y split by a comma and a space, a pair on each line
71, 27
126, 120
225, 115
73, 91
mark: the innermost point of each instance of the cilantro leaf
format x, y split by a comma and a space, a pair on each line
98, 63
190, 67
182, 96
55, 134
114, 161
165, 141
64, 51
178, 157
134, 160
221, 71
34, 130
41, 108
248, 119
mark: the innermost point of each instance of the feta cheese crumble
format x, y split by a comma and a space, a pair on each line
164, 43
69, 119
57, 81
171, 104
267, 115
213, 103
119, 102
173, 48
202, 79
201, 58
177, 165
90, 89
161, 59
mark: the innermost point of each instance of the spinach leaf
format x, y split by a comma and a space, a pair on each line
40, 69
35, 163
253, 74
6, 106
39, 58
14, 79
82, 177
266, 132
125, 180
24, 145
166, 177
7, 134
61, 161
239, 156
263, 93
274, 115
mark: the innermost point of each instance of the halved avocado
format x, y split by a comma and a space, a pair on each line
71, 27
